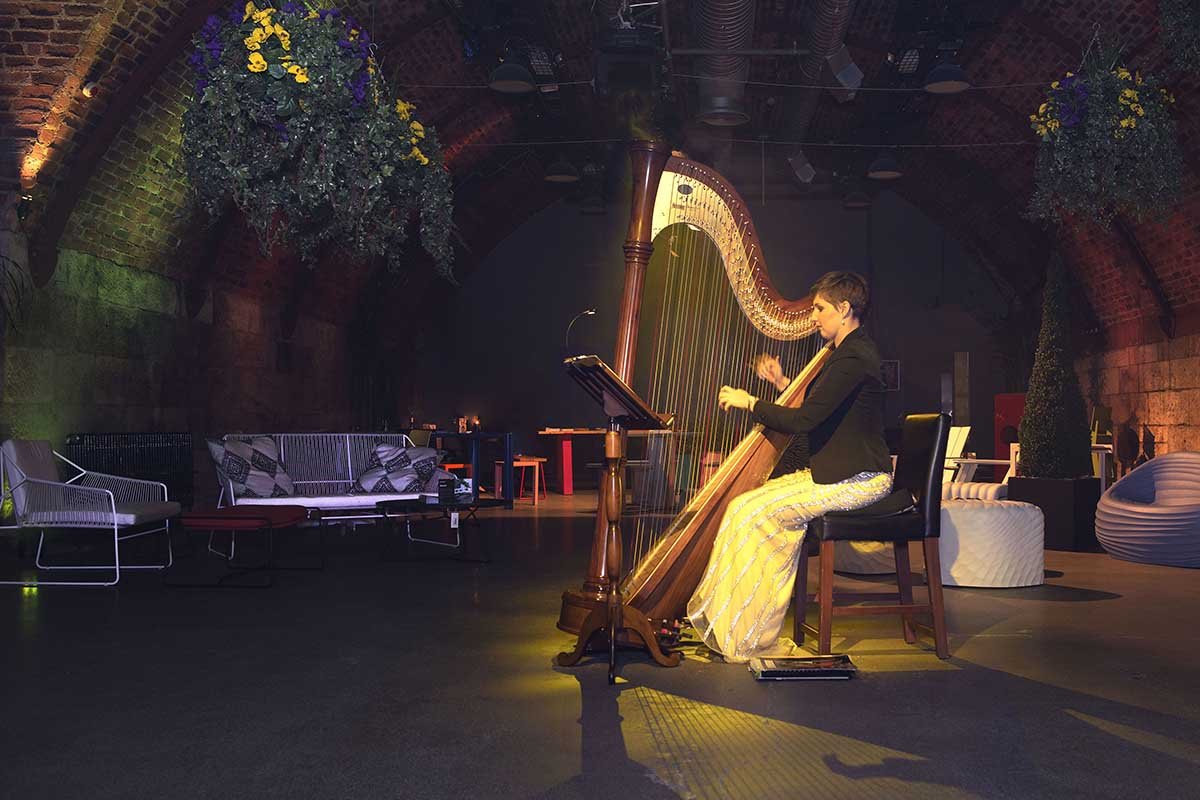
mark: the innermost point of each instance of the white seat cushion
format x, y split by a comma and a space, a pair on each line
330, 501
127, 514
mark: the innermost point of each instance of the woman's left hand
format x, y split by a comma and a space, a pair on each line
734, 398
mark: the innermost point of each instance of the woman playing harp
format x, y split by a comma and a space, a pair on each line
740, 604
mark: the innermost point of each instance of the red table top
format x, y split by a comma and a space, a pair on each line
244, 517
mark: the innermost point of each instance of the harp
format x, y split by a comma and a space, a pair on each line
698, 306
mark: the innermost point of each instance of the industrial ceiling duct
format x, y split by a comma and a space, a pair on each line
724, 25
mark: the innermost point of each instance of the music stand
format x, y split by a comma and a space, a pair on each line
625, 410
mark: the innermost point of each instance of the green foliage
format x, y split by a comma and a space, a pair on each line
1179, 21
293, 121
1109, 145
1055, 439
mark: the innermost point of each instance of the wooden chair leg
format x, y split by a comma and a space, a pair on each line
825, 627
904, 583
800, 603
933, 578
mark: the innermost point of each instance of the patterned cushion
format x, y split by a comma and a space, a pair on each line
398, 470
252, 466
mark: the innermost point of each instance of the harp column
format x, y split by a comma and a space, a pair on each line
648, 161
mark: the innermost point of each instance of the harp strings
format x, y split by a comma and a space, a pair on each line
702, 339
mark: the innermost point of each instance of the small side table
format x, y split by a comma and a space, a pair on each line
236, 519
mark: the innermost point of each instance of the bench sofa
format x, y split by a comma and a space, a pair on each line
323, 468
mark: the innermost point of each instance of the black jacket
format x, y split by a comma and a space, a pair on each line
842, 414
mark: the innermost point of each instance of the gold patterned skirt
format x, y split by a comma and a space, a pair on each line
739, 607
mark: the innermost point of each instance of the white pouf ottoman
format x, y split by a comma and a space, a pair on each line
992, 543
864, 558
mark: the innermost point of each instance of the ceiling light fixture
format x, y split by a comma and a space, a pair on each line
561, 171
884, 168
946, 79
511, 78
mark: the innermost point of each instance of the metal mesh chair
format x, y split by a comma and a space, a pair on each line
124, 508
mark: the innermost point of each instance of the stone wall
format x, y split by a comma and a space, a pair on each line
106, 347
1153, 390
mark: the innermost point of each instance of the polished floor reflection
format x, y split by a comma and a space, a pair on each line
380, 677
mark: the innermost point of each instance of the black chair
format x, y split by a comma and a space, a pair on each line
912, 512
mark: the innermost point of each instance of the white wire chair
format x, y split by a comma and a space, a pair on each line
126, 507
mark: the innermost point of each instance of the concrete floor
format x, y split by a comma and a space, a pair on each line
380, 678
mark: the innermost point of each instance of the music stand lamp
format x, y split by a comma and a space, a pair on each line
625, 411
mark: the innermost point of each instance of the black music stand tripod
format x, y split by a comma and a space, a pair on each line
627, 411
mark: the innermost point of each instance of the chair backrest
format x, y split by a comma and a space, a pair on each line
27, 458
923, 439
954, 449
420, 437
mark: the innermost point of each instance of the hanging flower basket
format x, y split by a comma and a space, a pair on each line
1179, 22
1109, 145
293, 120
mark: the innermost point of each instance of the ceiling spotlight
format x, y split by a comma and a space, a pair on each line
946, 79
801, 167
909, 61
89, 89
884, 168
511, 78
561, 171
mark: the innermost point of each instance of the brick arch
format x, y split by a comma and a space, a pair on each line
141, 42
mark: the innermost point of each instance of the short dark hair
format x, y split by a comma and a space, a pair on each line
848, 286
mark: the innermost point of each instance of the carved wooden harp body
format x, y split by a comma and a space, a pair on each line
727, 311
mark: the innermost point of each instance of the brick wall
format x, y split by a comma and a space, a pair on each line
136, 206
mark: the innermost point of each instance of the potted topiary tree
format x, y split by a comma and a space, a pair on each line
1055, 464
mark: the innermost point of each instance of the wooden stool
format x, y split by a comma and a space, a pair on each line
521, 463
450, 467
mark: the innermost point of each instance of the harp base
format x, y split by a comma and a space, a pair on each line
576, 605
631, 627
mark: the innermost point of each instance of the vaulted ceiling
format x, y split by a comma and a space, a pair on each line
113, 157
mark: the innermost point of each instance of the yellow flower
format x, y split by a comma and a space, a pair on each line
1070, 74
404, 109
418, 155
1137, 109
1123, 74
252, 45
1054, 85
417, 128
1053, 124
294, 68
301, 76
264, 17
313, 15
1042, 108
257, 63
251, 10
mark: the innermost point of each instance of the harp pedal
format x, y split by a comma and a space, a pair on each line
669, 633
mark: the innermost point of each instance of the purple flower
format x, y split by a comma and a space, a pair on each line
212, 26
201, 85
